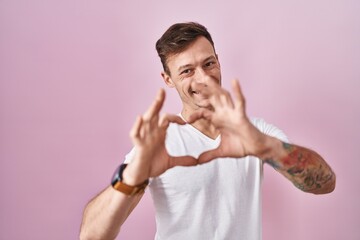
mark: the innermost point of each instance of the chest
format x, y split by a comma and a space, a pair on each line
220, 176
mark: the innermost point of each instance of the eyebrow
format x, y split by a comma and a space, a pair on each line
190, 65
183, 67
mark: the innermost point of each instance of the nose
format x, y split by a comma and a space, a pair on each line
200, 80
201, 76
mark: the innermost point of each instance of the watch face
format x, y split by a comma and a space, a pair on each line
117, 176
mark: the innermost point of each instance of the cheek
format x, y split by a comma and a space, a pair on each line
185, 84
217, 71
217, 75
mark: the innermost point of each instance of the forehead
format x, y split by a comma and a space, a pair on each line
197, 52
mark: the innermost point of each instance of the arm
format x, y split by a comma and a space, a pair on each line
305, 168
105, 214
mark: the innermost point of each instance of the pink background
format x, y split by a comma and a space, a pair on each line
74, 75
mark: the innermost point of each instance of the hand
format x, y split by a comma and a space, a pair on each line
148, 136
239, 137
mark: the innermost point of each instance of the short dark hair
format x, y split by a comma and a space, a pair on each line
177, 38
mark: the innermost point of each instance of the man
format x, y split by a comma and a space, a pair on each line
204, 165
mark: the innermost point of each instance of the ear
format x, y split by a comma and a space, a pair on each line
167, 79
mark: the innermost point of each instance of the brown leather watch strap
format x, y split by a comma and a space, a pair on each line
130, 190
118, 184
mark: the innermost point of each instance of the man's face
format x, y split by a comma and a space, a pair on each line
191, 71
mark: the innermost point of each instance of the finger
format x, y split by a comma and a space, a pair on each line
203, 113
183, 161
218, 96
156, 106
239, 97
209, 155
166, 119
212, 88
226, 100
147, 128
135, 130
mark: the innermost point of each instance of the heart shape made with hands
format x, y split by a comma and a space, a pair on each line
239, 137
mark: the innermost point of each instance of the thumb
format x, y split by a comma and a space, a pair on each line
209, 155
203, 113
183, 161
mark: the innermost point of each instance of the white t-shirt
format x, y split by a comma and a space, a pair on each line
217, 200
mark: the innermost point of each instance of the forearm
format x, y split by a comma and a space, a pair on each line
306, 169
104, 215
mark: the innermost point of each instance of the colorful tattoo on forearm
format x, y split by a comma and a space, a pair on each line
305, 168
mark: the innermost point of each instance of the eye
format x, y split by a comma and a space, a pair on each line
209, 64
186, 71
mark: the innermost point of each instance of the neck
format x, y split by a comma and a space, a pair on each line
203, 125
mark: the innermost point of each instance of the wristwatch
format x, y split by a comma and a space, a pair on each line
117, 183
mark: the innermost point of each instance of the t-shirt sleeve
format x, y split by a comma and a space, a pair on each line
269, 129
129, 156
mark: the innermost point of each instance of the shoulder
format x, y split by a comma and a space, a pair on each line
129, 156
268, 129
259, 123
